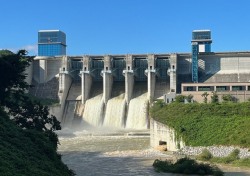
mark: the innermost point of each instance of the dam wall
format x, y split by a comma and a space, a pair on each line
137, 77
144, 78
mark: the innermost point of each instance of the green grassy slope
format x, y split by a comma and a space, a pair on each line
26, 152
207, 124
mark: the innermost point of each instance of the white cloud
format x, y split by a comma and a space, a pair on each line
32, 49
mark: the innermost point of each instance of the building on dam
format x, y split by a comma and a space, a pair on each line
116, 90
51, 43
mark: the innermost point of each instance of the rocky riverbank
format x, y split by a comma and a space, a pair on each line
217, 151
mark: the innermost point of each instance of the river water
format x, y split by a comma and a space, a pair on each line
114, 153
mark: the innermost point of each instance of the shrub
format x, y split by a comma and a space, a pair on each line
205, 95
189, 98
180, 98
214, 98
227, 98
205, 155
232, 157
186, 166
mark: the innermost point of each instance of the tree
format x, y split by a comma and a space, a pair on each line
180, 98
205, 95
214, 98
12, 67
33, 115
227, 98
5, 53
26, 113
189, 98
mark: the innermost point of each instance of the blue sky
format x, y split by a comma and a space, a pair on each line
126, 26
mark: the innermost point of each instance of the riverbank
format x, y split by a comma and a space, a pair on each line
216, 151
110, 155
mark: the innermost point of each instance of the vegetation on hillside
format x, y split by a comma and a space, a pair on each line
28, 152
206, 124
233, 158
28, 142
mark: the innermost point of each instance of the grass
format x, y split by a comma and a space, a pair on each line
207, 124
27, 152
186, 166
232, 159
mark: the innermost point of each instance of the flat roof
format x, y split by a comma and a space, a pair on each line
202, 30
54, 30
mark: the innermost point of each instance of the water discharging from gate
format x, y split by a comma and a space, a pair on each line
114, 114
137, 111
93, 111
116, 107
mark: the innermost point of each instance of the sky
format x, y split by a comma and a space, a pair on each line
125, 26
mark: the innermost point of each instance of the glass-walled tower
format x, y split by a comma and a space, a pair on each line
51, 43
201, 43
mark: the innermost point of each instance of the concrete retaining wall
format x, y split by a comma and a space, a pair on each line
162, 133
56, 111
53, 67
29, 74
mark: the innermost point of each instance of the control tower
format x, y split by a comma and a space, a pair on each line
201, 43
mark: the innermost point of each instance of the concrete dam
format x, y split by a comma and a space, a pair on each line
116, 90
112, 91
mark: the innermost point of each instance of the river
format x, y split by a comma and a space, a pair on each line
114, 153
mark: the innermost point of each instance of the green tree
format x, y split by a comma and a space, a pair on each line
214, 98
189, 98
26, 113
180, 98
33, 115
227, 98
5, 53
205, 95
12, 67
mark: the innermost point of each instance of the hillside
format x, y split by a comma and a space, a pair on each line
27, 152
207, 124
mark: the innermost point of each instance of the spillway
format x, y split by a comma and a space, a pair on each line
115, 111
137, 111
93, 110
116, 108
115, 114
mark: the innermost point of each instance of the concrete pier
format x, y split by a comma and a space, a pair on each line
65, 81
172, 71
129, 78
107, 79
151, 73
86, 85
86, 79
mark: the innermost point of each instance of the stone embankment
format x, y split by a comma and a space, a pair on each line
217, 151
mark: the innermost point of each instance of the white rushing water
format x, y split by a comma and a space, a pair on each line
137, 113
115, 154
93, 111
115, 112
91, 154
